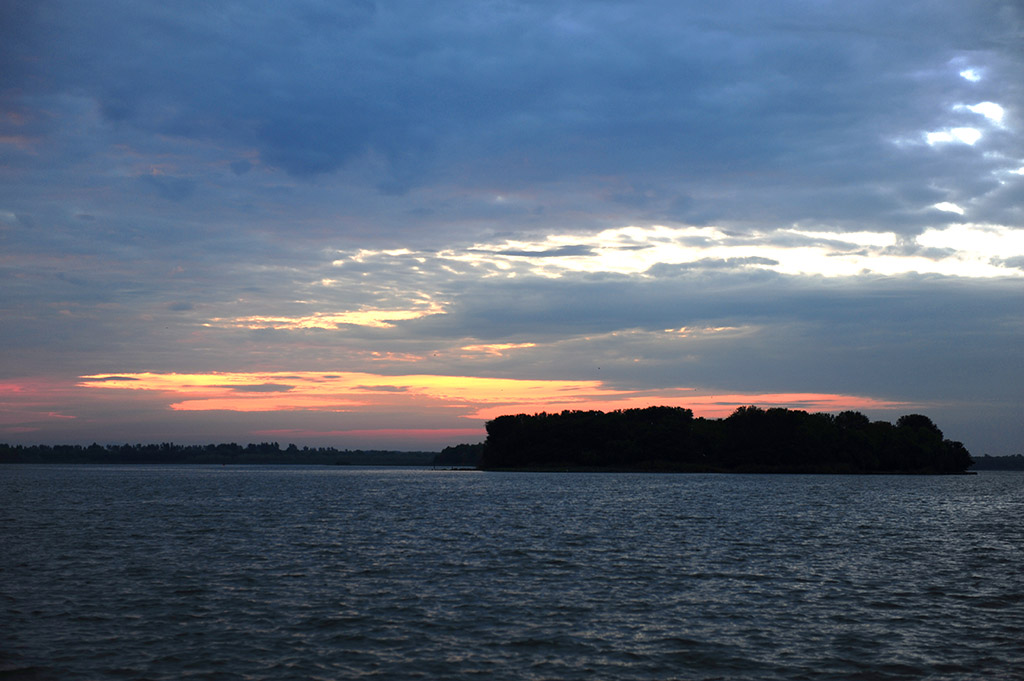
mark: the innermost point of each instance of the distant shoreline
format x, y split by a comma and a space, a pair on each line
672, 471
267, 453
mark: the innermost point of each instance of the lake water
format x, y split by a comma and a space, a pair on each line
150, 572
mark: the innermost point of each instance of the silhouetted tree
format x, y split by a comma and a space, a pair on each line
750, 439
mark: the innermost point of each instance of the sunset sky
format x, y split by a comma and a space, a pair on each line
379, 224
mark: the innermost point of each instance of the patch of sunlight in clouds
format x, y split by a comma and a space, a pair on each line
949, 207
691, 331
380, 319
347, 391
495, 349
989, 110
635, 250
980, 243
968, 136
364, 253
472, 397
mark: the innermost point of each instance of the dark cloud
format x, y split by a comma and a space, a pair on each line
260, 388
517, 94
1017, 262
561, 252
665, 270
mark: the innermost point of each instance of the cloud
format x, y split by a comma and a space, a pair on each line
1017, 262
261, 388
468, 396
516, 190
320, 320
683, 100
665, 269
170, 188
562, 251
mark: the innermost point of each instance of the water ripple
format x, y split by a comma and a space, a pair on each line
304, 573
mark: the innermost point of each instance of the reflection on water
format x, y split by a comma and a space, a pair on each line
281, 572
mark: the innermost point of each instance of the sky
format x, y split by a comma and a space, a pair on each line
378, 224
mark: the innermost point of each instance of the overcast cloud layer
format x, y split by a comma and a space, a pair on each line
641, 199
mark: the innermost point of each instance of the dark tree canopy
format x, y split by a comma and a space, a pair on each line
749, 440
460, 455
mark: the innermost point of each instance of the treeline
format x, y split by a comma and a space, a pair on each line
460, 455
985, 462
750, 440
232, 453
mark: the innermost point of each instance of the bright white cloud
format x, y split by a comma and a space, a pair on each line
972, 75
381, 319
976, 243
989, 110
495, 349
963, 135
949, 207
635, 250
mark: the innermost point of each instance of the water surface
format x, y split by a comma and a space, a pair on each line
248, 572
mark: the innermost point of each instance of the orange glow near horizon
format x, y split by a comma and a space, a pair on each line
717, 406
420, 434
471, 397
347, 391
27, 404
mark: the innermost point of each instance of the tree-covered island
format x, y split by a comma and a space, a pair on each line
751, 440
